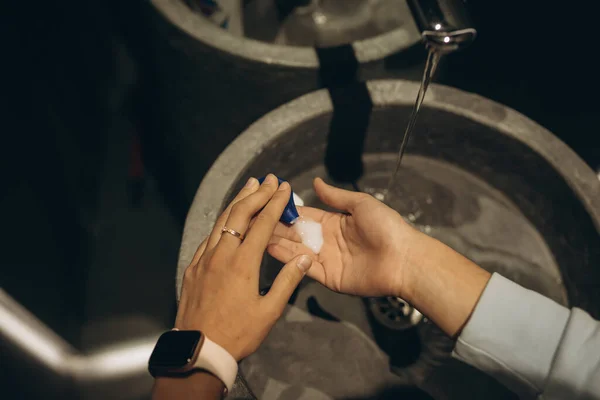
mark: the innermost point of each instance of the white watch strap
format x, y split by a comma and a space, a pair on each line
216, 360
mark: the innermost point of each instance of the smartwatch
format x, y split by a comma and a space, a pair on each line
179, 353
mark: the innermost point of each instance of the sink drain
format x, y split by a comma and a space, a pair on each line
394, 313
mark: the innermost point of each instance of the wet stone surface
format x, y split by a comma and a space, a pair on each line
456, 208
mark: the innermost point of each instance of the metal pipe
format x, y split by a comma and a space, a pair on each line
118, 372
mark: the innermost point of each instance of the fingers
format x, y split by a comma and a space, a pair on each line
285, 231
243, 211
343, 200
280, 252
250, 187
199, 252
288, 232
287, 280
264, 224
285, 250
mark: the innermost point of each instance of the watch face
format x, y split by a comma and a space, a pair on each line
174, 349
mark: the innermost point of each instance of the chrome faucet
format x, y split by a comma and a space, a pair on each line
444, 24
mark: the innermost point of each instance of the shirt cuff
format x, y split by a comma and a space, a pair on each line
513, 335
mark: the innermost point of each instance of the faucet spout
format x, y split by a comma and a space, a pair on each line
444, 24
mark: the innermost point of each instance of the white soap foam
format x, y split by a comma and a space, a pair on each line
310, 232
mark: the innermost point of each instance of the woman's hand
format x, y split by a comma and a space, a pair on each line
220, 294
366, 250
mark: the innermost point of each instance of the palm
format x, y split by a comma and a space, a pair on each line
358, 249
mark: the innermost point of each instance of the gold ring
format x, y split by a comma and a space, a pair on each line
232, 232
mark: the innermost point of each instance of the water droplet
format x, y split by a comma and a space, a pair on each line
427, 229
379, 196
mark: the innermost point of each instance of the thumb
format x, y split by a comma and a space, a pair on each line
343, 200
288, 279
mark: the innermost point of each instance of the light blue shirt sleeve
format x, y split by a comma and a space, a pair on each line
534, 346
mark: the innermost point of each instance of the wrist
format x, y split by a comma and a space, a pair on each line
410, 262
210, 328
196, 385
442, 284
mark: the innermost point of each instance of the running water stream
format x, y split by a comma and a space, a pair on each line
433, 59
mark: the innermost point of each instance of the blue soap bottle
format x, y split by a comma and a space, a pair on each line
290, 214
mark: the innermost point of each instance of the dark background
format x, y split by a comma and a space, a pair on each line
89, 242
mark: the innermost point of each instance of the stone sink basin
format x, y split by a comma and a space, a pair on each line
477, 175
